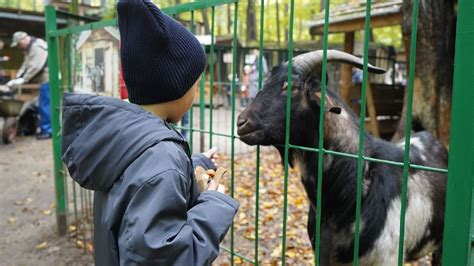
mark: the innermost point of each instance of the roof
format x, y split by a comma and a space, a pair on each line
351, 16
84, 36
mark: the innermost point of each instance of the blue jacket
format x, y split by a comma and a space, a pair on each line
147, 209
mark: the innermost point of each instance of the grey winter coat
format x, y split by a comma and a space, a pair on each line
147, 210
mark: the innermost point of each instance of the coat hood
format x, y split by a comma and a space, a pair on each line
102, 136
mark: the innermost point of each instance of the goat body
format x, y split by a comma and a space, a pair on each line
263, 123
381, 196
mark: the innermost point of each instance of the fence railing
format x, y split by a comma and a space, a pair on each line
457, 233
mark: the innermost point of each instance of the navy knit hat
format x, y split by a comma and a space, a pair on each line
161, 59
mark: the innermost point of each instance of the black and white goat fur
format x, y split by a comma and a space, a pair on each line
263, 123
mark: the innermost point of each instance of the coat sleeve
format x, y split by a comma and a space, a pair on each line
201, 160
21, 71
36, 63
160, 230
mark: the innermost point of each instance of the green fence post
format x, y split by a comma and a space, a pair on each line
457, 238
287, 131
360, 161
59, 180
232, 144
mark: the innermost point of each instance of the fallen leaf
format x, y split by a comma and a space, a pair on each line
42, 245
53, 249
79, 244
28, 200
19, 203
90, 247
238, 260
12, 220
46, 212
71, 228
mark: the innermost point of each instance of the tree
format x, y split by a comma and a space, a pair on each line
251, 21
433, 67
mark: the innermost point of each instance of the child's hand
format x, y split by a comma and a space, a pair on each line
210, 179
214, 186
212, 155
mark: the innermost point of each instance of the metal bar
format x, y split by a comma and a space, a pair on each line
211, 77
202, 107
287, 129
191, 113
83, 220
360, 162
456, 244
74, 194
68, 15
257, 160
239, 255
321, 136
406, 158
370, 159
194, 6
61, 215
232, 147
78, 29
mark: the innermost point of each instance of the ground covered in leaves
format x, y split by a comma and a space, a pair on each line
27, 224
270, 218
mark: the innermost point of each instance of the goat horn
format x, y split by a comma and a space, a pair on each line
312, 61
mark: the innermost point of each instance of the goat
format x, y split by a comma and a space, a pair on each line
263, 123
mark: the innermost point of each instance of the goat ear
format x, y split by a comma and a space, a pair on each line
330, 105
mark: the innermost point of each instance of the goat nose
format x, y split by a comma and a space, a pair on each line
241, 121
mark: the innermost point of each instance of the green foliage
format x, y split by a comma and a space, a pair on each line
305, 10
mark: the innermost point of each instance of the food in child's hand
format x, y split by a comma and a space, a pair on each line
204, 176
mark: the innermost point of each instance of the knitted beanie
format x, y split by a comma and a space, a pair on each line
161, 59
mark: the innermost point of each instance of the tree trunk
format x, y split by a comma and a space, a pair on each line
229, 19
251, 21
278, 22
205, 19
287, 29
433, 67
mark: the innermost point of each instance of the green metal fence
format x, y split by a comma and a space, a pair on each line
457, 237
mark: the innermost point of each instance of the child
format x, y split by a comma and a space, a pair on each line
147, 209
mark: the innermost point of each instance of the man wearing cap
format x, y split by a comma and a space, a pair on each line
148, 208
35, 70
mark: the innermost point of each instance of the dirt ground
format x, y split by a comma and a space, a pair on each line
27, 218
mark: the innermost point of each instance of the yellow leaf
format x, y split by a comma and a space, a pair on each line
42, 245
29, 200
12, 220
46, 212
71, 228
238, 260
90, 247
269, 217
79, 244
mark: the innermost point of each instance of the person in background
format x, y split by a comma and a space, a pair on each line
228, 88
245, 87
35, 70
254, 74
396, 77
2, 60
